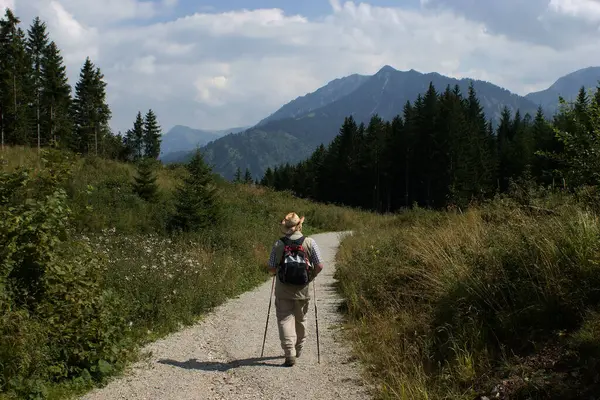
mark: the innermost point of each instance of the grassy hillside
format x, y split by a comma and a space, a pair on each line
503, 298
97, 274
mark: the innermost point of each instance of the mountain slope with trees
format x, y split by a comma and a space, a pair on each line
383, 94
181, 141
442, 152
567, 87
322, 97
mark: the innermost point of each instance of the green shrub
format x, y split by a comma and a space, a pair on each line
145, 182
57, 321
197, 203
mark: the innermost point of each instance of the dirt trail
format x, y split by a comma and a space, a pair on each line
219, 358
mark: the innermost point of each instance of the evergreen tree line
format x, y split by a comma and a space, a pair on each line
39, 108
143, 141
247, 178
442, 151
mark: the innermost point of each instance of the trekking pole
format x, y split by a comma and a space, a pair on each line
317, 322
268, 314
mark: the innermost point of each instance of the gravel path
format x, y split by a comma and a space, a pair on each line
219, 358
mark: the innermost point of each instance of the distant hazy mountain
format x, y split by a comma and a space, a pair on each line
323, 96
568, 87
182, 139
280, 139
386, 93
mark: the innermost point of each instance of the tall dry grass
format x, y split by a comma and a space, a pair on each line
444, 306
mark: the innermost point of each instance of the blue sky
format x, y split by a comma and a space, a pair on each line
226, 63
308, 8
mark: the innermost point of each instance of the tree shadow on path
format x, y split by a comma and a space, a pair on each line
220, 366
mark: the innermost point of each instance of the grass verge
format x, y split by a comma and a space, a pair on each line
503, 299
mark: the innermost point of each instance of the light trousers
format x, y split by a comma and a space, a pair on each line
291, 321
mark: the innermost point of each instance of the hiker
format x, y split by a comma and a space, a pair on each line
291, 290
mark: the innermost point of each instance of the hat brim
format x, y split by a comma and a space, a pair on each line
289, 230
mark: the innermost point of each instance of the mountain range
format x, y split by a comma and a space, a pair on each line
568, 87
293, 132
180, 140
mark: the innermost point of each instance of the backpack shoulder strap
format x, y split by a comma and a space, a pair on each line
300, 241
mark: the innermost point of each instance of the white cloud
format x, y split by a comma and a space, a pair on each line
109, 11
335, 5
4, 4
218, 70
144, 65
585, 9
76, 40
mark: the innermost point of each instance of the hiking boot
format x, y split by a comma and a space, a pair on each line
298, 351
290, 361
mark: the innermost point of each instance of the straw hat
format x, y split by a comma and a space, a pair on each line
291, 223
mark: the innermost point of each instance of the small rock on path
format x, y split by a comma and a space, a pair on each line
219, 357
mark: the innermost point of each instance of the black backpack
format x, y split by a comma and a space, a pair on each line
294, 268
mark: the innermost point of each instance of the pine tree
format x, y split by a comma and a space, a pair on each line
596, 97
482, 145
578, 143
247, 177
134, 138
504, 143
268, 179
238, 175
315, 171
341, 156
15, 82
374, 157
428, 148
90, 111
197, 201
37, 42
145, 182
455, 184
55, 98
152, 134
544, 141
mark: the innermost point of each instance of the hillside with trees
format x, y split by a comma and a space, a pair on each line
313, 120
442, 152
39, 108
